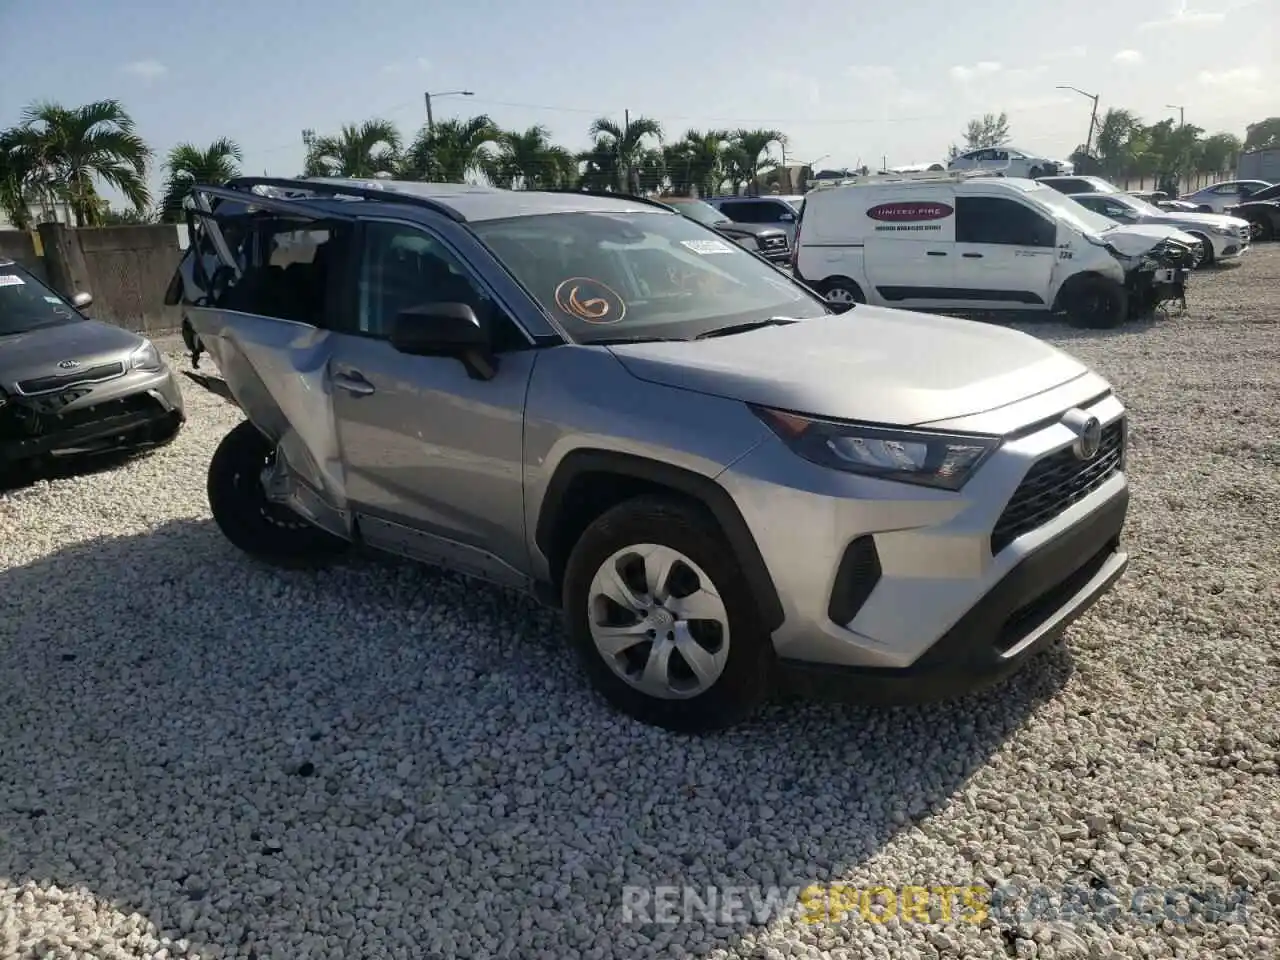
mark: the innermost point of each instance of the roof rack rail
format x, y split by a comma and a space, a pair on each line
931, 176
353, 191
637, 198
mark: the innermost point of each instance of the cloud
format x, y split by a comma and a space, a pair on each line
1183, 17
145, 69
984, 68
1240, 76
865, 74
402, 67
1130, 57
887, 86
800, 85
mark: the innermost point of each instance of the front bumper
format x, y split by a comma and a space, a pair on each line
960, 588
133, 411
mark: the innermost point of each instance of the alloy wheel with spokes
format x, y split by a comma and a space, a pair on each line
658, 622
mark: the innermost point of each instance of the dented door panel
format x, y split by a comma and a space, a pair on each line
278, 372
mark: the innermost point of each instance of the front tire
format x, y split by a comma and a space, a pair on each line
842, 291
1035, 173
1261, 230
663, 620
1095, 303
262, 529
1207, 255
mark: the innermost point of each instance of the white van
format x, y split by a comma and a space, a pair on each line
978, 242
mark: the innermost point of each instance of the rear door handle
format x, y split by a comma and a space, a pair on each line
972, 256
937, 253
353, 383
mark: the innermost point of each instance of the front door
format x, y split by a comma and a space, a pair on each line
1005, 252
432, 457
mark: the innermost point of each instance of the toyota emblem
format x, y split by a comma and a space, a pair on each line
68, 364
1090, 439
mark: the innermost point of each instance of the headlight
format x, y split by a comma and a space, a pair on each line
940, 460
146, 357
1223, 231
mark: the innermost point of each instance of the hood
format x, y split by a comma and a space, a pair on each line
731, 228
38, 352
1187, 219
1135, 239
872, 363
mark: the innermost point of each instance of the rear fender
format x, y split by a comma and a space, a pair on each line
277, 373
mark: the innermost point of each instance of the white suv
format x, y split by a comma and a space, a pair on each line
1010, 162
985, 243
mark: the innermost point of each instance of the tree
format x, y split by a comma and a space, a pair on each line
16, 173
697, 162
1263, 135
357, 151
1218, 153
750, 153
188, 164
71, 149
530, 160
600, 167
627, 144
1119, 141
452, 151
990, 131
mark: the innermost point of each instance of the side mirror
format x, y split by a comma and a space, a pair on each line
82, 300
446, 330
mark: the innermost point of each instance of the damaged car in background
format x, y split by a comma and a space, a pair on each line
1219, 237
70, 385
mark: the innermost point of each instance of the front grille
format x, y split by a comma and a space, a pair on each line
1055, 483
103, 371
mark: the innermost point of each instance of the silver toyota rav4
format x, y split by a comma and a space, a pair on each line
727, 487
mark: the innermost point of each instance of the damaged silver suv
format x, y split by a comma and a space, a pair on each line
729, 486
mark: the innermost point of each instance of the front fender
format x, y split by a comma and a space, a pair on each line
277, 371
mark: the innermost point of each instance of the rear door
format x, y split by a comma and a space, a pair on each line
1005, 253
432, 457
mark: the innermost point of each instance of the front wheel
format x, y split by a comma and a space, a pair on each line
663, 620
1095, 303
262, 529
1261, 231
1206, 250
1035, 173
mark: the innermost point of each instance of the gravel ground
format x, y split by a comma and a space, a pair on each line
201, 757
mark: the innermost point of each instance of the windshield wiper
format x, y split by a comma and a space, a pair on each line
618, 341
744, 327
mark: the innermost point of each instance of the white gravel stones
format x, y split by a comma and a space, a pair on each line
203, 758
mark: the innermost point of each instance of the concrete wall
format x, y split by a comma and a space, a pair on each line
1260, 165
129, 270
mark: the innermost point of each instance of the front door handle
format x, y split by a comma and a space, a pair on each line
972, 256
937, 253
353, 383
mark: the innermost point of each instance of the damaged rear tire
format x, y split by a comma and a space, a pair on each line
262, 529
1092, 302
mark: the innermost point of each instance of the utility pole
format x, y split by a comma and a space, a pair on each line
431, 120
1182, 112
1093, 117
624, 160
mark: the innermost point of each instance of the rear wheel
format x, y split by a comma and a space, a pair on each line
842, 290
1261, 230
1095, 303
262, 529
662, 618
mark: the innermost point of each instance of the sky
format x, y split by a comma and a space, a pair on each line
848, 81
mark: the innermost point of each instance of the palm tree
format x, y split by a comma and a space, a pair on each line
627, 144
16, 172
357, 151
188, 164
697, 162
529, 158
1119, 143
751, 152
452, 151
70, 149
600, 168
1218, 153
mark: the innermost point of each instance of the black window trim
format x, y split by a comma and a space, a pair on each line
351, 293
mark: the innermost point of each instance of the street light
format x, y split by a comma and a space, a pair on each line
1093, 117
1182, 112
431, 120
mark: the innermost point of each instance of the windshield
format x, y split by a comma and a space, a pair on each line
26, 304
698, 210
1065, 207
1266, 193
608, 276
1136, 203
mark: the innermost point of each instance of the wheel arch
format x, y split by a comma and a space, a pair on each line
1073, 281
588, 482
